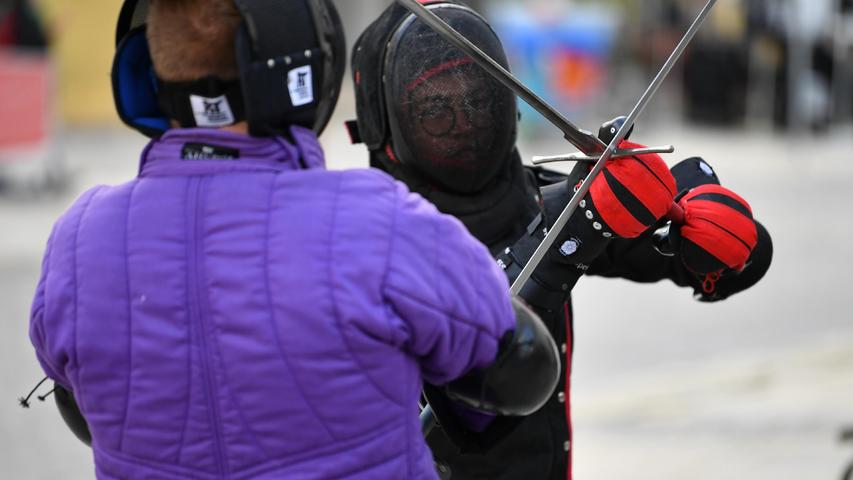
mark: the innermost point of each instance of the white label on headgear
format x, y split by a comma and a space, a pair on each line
211, 112
706, 169
301, 86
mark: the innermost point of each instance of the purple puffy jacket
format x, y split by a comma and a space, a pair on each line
251, 315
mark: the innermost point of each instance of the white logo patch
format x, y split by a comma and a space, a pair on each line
569, 247
301, 86
211, 112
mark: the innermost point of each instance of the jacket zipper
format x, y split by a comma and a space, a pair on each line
195, 291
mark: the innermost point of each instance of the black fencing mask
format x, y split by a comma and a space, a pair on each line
449, 119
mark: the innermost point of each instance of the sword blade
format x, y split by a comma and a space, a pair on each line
540, 252
582, 139
427, 420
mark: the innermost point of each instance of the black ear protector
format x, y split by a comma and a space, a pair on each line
291, 58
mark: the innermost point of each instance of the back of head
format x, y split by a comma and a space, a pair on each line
193, 39
273, 64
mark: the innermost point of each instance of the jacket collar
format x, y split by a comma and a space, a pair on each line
202, 151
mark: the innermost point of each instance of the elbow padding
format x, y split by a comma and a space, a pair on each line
522, 377
71, 414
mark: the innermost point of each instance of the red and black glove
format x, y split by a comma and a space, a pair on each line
718, 242
629, 196
714, 230
632, 193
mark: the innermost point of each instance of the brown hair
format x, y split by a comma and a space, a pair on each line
191, 39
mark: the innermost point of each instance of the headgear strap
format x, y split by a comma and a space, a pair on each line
208, 102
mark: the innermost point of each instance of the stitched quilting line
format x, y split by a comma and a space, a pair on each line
255, 470
329, 269
468, 254
205, 322
190, 228
435, 271
125, 460
273, 325
216, 351
406, 371
409, 450
189, 322
79, 396
480, 309
37, 314
308, 455
453, 317
129, 316
387, 268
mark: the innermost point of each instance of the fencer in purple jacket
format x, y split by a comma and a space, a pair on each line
237, 311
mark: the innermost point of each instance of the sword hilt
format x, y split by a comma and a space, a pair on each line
620, 153
608, 130
606, 133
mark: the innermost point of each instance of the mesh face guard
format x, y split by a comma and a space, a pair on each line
448, 118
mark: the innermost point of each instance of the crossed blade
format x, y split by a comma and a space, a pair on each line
585, 141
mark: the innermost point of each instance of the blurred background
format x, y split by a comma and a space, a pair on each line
757, 387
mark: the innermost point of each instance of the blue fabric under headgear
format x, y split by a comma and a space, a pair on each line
135, 85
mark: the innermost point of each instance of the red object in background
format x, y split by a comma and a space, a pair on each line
577, 77
24, 90
7, 30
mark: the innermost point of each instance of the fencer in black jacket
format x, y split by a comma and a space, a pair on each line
435, 121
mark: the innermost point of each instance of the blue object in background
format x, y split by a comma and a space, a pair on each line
562, 56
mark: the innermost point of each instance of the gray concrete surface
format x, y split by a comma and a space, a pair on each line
757, 387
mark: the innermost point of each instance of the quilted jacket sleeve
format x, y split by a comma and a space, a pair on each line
445, 291
38, 329
53, 313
